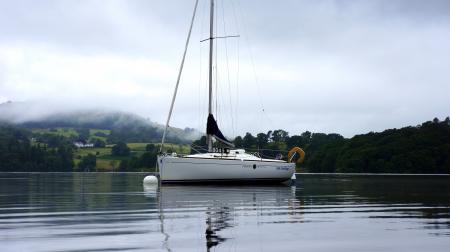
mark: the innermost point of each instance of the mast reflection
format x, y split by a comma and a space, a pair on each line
219, 206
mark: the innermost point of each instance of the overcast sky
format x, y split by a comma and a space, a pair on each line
345, 67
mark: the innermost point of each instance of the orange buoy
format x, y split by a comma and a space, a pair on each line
299, 151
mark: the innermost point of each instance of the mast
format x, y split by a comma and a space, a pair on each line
211, 37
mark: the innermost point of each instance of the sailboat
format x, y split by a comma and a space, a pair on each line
219, 164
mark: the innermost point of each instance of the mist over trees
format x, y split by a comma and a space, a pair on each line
124, 126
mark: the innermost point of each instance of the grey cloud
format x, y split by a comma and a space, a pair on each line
335, 66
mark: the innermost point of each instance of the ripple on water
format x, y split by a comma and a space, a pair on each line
113, 212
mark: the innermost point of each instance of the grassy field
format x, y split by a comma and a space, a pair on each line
67, 132
107, 162
71, 132
136, 147
92, 133
178, 148
95, 151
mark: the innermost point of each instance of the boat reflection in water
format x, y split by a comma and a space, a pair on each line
222, 212
112, 212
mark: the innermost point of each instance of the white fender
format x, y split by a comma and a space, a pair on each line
150, 180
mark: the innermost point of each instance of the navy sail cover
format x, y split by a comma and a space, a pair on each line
213, 129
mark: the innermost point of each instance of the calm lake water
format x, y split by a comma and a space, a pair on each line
114, 212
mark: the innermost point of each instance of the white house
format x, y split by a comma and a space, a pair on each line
83, 145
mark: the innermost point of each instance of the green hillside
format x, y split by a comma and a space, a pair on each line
423, 148
108, 162
72, 133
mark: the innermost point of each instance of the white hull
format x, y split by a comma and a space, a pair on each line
198, 168
225, 164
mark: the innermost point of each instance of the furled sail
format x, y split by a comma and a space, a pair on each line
213, 129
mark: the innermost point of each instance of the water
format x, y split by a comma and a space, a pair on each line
114, 212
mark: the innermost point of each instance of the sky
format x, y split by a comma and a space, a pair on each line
347, 67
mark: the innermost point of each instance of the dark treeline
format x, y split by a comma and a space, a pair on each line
23, 151
421, 149
17, 153
272, 143
135, 162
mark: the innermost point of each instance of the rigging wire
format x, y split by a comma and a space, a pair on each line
179, 77
219, 93
228, 71
203, 82
258, 87
216, 72
238, 62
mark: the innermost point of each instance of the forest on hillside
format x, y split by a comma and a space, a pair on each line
17, 153
423, 148
55, 150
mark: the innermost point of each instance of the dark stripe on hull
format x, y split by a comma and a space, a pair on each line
227, 181
237, 159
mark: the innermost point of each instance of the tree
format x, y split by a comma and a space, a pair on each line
279, 135
296, 141
133, 163
17, 153
423, 148
249, 140
100, 134
64, 153
238, 142
306, 136
262, 139
139, 133
148, 159
98, 143
120, 149
52, 140
269, 135
150, 147
199, 145
113, 164
123, 166
83, 134
88, 162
